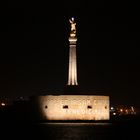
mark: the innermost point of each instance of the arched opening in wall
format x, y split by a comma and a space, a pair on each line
65, 107
89, 107
105, 107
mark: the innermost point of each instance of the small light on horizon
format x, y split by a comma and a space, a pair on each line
3, 104
114, 113
112, 108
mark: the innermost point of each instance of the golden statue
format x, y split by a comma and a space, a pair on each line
73, 27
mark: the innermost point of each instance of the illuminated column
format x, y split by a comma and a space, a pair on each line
72, 77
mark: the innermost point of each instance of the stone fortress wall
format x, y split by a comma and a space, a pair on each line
74, 107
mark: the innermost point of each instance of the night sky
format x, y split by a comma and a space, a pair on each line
34, 48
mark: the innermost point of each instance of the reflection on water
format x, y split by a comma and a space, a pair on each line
77, 131
73, 131
86, 131
75, 124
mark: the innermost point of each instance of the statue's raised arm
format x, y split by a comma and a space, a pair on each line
73, 27
73, 24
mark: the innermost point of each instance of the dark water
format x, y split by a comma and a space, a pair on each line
71, 131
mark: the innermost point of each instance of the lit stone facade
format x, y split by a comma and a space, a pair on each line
74, 107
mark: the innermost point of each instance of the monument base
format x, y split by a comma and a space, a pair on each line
73, 107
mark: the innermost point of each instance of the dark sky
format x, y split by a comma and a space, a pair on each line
34, 48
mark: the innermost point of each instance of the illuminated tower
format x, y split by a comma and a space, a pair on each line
72, 75
72, 105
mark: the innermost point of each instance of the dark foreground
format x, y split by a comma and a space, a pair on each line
17, 125
122, 130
